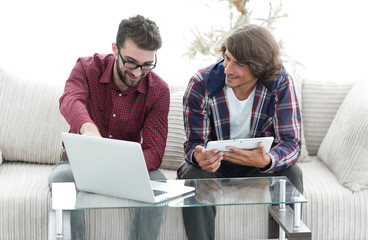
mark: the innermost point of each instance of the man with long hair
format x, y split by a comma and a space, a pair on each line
248, 94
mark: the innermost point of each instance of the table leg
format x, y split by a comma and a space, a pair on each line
282, 206
288, 221
297, 213
285, 219
59, 224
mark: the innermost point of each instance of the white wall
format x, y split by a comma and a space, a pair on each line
42, 39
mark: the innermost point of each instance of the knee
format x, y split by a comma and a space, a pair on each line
190, 171
61, 173
295, 175
156, 175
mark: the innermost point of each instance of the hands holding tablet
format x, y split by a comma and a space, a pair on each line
210, 160
255, 158
247, 152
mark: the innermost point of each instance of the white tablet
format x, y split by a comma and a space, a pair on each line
246, 144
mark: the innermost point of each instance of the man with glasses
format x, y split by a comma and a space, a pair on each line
248, 94
118, 96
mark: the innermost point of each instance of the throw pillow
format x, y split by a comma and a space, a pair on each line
174, 151
344, 149
30, 122
321, 100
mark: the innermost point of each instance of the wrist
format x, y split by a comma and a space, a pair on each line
89, 128
268, 163
194, 161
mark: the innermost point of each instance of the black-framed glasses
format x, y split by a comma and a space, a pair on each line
132, 65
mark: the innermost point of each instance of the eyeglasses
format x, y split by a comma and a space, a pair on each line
132, 65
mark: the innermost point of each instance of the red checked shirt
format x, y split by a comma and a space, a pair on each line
138, 114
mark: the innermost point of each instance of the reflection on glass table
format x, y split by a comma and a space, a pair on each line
208, 192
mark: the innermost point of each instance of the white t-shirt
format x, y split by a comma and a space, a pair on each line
240, 114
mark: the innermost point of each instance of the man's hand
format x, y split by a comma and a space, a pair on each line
255, 158
208, 160
90, 129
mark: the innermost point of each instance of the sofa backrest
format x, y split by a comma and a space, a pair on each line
30, 122
174, 151
320, 102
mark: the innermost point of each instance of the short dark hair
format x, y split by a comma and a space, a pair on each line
144, 32
256, 47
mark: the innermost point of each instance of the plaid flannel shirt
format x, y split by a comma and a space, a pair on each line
275, 113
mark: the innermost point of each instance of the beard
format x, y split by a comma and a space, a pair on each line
125, 76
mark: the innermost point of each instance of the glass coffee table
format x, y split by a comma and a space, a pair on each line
274, 191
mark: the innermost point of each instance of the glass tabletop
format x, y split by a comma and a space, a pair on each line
208, 192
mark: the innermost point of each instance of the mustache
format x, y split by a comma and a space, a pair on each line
127, 72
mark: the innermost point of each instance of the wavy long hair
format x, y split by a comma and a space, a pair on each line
256, 47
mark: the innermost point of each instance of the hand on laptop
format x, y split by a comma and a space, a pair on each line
90, 129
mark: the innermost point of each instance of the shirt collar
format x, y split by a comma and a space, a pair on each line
215, 80
108, 73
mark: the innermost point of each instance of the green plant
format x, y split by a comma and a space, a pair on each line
206, 44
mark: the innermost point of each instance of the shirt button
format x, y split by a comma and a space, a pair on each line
120, 94
110, 136
114, 115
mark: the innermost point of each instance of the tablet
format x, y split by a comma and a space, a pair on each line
245, 144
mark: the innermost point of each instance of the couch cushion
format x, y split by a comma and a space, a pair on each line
332, 211
24, 200
344, 149
30, 122
320, 102
174, 151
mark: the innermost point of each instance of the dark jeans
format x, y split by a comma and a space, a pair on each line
199, 222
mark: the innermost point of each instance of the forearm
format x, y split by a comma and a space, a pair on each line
154, 135
75, 113
73, 102
155, 129
153, 159
282, 157
153, 145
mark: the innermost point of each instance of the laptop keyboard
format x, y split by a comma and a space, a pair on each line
158, 192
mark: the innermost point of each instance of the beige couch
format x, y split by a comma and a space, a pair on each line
335, 171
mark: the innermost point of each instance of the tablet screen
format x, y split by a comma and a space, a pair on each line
246, 144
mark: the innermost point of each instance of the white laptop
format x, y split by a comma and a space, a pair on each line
116, 168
